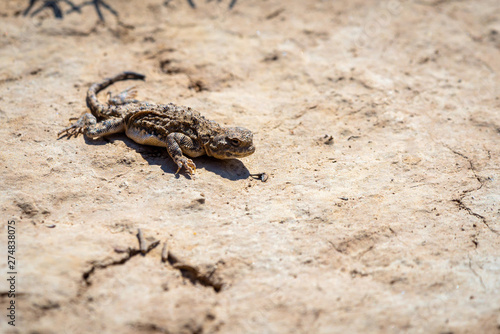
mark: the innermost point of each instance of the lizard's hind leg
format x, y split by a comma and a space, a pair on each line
127, 96
87, 124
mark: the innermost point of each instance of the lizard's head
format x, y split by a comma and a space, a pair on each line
231, 143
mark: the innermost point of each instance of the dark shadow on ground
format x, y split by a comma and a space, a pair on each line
231, 169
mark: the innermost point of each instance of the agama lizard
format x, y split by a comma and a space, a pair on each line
180, 129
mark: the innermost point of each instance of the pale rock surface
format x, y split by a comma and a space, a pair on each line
377, 122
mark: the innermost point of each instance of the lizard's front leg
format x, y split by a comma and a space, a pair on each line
87, 124
177, 143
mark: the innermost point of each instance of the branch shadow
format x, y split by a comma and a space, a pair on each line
98, 5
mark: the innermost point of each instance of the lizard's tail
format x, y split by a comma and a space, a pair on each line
93, 103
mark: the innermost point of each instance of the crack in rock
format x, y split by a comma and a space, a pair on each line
195, 275
471, 167
459, 202
103, 264
149, 328
462, 206
475, 273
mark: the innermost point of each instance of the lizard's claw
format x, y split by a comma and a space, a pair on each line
186, 163
79, 126
73, 130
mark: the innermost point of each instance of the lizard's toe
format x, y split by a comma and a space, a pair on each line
67, 131
188, 164
76, 128
72, 130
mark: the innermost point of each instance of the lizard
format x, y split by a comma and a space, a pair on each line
181, 130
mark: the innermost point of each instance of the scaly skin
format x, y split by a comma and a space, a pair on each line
182, 130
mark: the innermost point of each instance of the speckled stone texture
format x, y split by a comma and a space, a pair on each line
377, 123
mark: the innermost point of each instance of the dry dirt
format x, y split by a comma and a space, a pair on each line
377, 123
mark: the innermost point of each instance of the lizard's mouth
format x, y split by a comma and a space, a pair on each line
243, 152
232, 154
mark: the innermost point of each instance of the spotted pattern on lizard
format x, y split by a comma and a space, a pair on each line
181, 130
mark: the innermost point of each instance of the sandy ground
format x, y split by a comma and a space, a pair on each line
377, 123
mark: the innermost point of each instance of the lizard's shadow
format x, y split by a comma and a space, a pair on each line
231, 169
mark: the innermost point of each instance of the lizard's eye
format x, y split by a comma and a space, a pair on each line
234, 141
